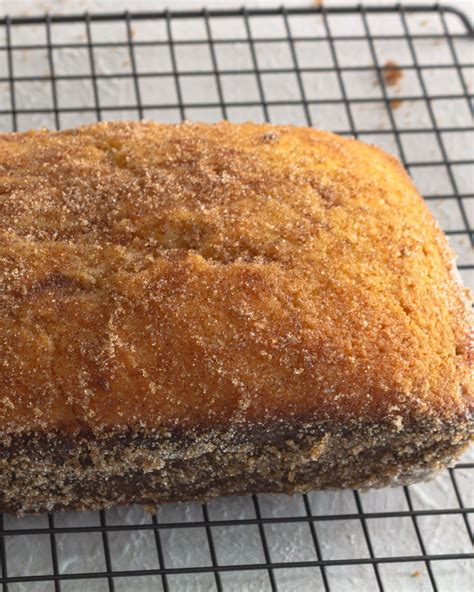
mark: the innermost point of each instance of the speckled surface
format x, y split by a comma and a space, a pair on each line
31, 555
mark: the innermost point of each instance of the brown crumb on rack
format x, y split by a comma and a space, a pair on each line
395, 104
392, 73
415, 574
318, 2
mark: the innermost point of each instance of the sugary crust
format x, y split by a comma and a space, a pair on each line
53, 471
193, 310
203, 275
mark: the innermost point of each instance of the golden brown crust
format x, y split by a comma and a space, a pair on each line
198, 275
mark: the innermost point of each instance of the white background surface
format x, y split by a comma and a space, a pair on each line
64, 6
31, 555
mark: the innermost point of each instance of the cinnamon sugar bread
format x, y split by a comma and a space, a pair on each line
197, 310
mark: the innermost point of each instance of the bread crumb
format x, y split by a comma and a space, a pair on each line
392, 73
395, 104
415, 574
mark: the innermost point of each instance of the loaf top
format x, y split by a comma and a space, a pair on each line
209, 275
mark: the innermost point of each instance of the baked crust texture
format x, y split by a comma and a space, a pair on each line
209, 309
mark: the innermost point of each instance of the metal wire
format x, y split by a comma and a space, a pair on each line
215, 44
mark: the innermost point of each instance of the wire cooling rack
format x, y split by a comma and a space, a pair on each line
395, 77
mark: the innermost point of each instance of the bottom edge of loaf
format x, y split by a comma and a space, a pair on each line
46, 472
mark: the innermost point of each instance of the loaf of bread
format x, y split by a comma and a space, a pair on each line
193, 310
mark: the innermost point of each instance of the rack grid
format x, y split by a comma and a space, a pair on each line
324, 67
